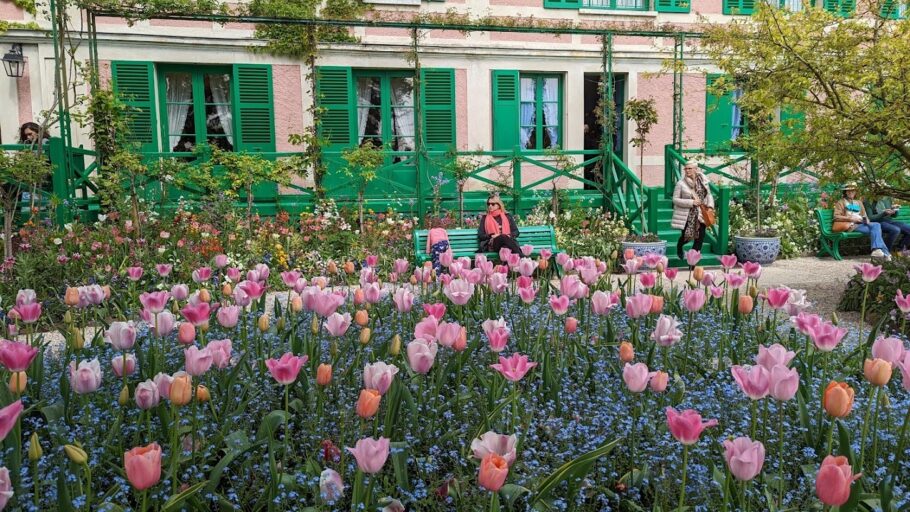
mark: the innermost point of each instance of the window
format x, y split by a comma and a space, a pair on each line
840, 7
744, 7
196, 107
792, 5
620, 5
540, 125
894, 9
385, 109
724, 120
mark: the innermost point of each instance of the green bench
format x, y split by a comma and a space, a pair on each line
830, 241
463, 242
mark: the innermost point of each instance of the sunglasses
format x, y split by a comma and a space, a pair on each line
492, 204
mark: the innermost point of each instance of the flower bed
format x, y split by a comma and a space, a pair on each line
489, 387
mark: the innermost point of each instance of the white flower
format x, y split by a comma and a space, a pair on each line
161, 250
552, 215
102, 218
68, 226
275, 236
57, 241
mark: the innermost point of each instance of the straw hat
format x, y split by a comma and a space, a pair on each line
850, 185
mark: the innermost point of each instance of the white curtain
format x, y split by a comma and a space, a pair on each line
403, 113
527, 111
179, 95
736, 123
221, 95
793, 5
551, 109
364, 98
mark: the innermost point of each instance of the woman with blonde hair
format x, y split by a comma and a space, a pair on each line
497, 228
690, 194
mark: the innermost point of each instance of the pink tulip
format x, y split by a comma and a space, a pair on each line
562, 259
693, 257
220, 260
163, 383
373, 293
331, 487
783, 382
9, 415
776, 354
325, 303
121, 335
778, 297
716, 291
559, 304
636, 377
186, 333
903, 302
659, 381
15, 356
905, 371
513, 260
638, 305
253, 289
426, 328
868, 271
755, 381
498, 338
632, 266
735, 280
752, 269
337, 324
602, 302
202, 274
221, 353
403, 300
228, 316
527, 294
290, 278
514, 367
666, 331
890, 349
372, 260
744, 457
693, 300
379, 376
86, 377
422, 355
459, 291
6, 488
286, 369
154, 302
500, 444
118, 364
447, 333
571, 325
805, 322
147, 395
134, 273
545, 254
91, 295
163, 323
671, 273
832, 484
163, 269
370, 454
197, 314
180, 291
647, 280
826, 336
499, 283
233, 274
437, 310
686, 426
28, 313
728, 261
400, 266
197, 361
142, 465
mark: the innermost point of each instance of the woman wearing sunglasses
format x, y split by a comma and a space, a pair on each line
497, 228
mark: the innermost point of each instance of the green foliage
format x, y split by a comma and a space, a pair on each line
24, 168
242, 170
363, 162
579, 230
26, 5
792, 219
643, 113
895, 276
135, 10
299, 41
847, 77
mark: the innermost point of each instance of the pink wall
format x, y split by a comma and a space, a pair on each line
10, 11
461, 108
447, 34
660, 88
530, 38
706, 6
181, 23
288, 93
694, 111
24, 94
104, 72
517, 3
386, 31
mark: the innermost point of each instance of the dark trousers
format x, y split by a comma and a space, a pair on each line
503, 241
699, 240
892, 231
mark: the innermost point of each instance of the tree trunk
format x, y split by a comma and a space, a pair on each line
8, 218
360, 208
641, 187
461, 185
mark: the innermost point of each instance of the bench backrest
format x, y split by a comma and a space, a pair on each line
825, 220
541, 237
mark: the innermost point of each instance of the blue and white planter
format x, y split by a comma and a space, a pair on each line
763, 250
644, 248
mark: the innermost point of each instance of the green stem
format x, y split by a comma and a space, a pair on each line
900, 444
831, 436
862, 323
682, 489
780, 453
878, 404
862, 450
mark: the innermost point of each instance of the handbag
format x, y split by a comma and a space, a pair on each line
708, 216
841, 226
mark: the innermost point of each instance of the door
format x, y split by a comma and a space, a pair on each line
592, 128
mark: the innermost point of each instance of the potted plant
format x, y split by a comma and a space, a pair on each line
761, 244
644, 114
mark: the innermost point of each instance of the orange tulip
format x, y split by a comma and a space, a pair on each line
368, 403
181, 391
72, 296
626, 352
359, 297
297, 304
838, 399
365, 334
877, 371
17, 383
349, 267
263, 322
543, 264
202, 394
204, 295
493, 472
324, 374
657, 304
331, 267
226, 289
745, 304
361, 317
698, 273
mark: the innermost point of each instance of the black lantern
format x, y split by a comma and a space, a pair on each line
14, 62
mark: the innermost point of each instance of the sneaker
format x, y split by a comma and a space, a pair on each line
878, 253
887, 257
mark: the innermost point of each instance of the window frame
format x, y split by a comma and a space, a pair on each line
197, 76
386, 105
538, 108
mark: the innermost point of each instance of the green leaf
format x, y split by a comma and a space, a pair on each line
843, 443
174, 502
399, 453
575, 469
512, 492
270, 425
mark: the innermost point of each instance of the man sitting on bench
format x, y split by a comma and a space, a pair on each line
896, 234
850, 215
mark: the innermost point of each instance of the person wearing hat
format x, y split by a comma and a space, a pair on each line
497, 228
883, 211
850, 215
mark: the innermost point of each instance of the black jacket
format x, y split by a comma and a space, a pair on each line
484, 238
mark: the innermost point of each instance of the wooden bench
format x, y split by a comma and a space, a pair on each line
463, 242
830, 241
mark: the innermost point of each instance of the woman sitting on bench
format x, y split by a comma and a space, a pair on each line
497, 228
850, 215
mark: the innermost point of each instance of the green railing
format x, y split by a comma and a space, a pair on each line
719, 234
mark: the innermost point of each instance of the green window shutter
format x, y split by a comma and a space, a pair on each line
335, 96
840, 7
437, 106
741, 7
890, 10
133, 85
791, 121
562, 4
671, 5
506, 99
254, 107
718, 120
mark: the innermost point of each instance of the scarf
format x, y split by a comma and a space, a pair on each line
493, 227
691, 229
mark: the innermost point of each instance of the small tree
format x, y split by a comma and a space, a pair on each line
644, 114
363, 163
22, 170
460, 168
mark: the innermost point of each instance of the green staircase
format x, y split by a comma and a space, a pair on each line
671, 236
